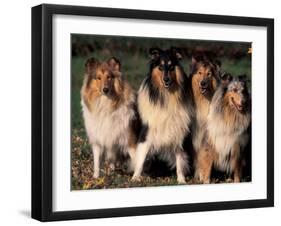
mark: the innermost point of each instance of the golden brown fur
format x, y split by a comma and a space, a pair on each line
108, 105
204, 82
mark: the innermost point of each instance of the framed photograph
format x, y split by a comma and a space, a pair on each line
146, 112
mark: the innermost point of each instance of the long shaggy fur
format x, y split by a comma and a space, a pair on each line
166, 116
202, 70
227, 132
109, 118
226, 128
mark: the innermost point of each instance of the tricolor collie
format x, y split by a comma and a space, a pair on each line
227, 129
108, 105
163, 105
205, 76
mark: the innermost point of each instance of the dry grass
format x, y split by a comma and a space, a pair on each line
82, 171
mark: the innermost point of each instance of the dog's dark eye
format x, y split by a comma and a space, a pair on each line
199, 72
98, 78
161, 67
235, 90
209, 74
109, 77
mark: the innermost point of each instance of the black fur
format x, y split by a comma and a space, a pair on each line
158, 55
155, 95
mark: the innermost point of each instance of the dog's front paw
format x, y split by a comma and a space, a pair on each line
136, 178
96, 174
181, 180
111, 167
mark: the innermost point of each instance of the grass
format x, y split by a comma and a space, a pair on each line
134, 68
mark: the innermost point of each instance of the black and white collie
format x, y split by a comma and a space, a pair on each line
165, 111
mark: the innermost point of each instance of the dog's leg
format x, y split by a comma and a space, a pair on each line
236, 163
141, 153
111, 157
181, 164
132, 154
97, 154
205, 163
237, 174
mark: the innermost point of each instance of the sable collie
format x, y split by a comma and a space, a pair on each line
163, 105
227, 129
108, 105
204, 76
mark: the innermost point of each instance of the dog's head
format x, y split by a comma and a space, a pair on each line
204, 74
236, 94
101, 75
164, 67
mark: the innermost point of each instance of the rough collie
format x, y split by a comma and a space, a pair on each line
205, 76
163, 105
108, 105
227, 129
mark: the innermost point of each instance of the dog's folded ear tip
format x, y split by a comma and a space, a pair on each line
242, 76
218, 63
154, 50
113, 58
90, 65
154, 53
226, 78
114, 63
177, 52
91, 61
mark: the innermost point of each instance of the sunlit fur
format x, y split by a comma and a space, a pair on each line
109, 117
227, 124
165, 114
206, 72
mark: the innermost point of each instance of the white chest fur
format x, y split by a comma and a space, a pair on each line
107, 126
168, 124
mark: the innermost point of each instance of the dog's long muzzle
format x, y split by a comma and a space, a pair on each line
105, 90
167, 81
204, 85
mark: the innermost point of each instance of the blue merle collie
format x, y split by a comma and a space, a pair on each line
164, 108
227, 132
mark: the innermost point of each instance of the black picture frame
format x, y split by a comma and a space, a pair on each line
42, 108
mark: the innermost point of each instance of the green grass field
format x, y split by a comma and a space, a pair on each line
134, 69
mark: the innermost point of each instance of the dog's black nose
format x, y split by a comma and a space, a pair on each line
166, 79
203, 84
105, 90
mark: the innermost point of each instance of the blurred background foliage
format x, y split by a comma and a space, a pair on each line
133, 54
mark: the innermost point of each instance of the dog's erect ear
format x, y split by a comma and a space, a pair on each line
217, 68
193, 60
154, 53
114, 64
217, 64
176, 52
117, 74
197, 58
226, 78
90, 66
242, 78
